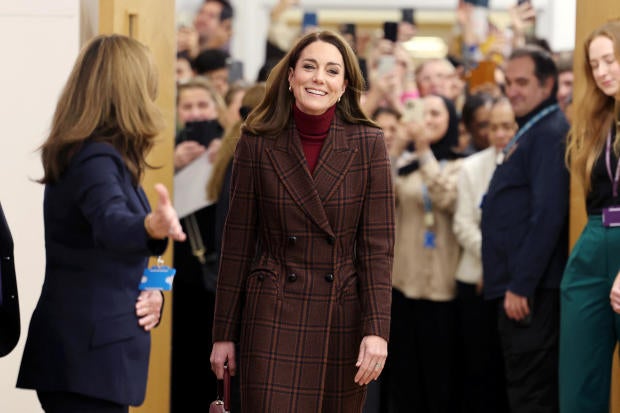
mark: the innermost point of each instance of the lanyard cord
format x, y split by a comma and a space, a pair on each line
614, 179
528, 125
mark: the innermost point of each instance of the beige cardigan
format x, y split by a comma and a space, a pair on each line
475, 175
421, 272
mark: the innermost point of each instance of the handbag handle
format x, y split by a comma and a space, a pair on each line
223, 388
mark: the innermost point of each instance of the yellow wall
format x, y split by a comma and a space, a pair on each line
152, 23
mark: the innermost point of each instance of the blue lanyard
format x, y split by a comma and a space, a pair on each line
428, 204
614, 179
528, 125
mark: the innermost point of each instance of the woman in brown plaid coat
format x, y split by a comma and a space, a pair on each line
305, 275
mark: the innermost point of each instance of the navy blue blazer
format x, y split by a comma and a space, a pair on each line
84, 335
9, 302
524, 220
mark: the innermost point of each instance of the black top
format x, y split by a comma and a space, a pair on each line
601, 193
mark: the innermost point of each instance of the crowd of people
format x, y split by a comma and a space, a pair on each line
484, 311
379, 233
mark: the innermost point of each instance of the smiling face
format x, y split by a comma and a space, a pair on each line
436, 118
604, 65
196, 104
523, 88
318, 78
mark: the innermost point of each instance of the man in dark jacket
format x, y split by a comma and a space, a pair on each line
9, 304
524, 233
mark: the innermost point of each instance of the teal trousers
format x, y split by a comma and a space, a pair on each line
589, 328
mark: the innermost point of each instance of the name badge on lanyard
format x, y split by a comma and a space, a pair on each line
157, 277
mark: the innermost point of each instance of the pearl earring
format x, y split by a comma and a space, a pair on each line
289, 87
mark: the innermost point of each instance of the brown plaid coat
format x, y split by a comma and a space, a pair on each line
306, 267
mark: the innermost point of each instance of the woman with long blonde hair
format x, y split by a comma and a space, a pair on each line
590, 326
88, 343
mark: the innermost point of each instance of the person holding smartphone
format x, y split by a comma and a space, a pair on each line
422, 362
390, 73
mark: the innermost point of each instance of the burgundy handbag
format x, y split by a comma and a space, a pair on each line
222, 403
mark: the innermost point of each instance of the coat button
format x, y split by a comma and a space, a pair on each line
329, 277
6, 258
331, 240
292, 277
292, 240
261, 277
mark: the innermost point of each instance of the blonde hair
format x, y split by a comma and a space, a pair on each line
595, 117
109, 97
252, 97
201, 82
274, 113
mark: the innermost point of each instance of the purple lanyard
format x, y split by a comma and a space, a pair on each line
614, 179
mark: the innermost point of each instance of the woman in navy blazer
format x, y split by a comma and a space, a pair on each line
88, 342
9, 303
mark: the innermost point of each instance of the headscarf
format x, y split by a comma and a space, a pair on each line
444, 148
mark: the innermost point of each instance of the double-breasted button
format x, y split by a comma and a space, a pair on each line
331, 240
329, 277
292, 277
292, 239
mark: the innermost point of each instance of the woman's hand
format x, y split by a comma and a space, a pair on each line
371, 359
148, 308
223, 351
163, 221
614, 295
185, 152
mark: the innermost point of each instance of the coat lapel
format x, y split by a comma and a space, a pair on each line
334, 162
289, 162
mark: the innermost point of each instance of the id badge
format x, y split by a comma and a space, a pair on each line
157, 277
429, 239
611, 217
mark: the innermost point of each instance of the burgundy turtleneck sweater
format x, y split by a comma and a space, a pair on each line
312, 130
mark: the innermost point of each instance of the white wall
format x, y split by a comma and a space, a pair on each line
38, 42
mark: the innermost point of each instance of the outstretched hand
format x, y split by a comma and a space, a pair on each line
163, 221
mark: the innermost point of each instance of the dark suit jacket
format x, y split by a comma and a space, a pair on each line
525, 212
9, 302
306, 265
84, 335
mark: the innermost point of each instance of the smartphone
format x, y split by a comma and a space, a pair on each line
310, 20
203, 131
386, 64
522, 1
414, 110
408, 15
390, 31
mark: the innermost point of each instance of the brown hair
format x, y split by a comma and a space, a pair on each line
274, 112
108, 97
252, 97
595, 116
